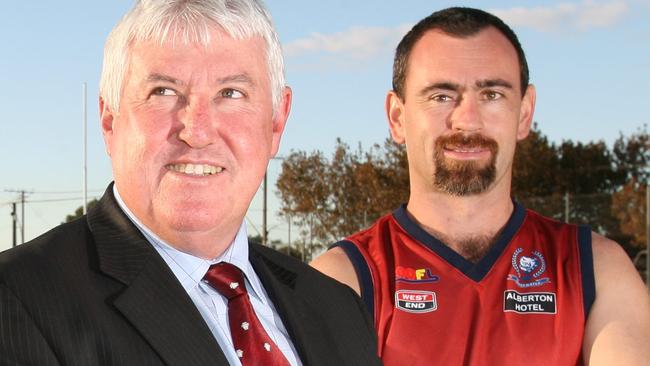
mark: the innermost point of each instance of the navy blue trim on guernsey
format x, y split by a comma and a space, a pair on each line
363, 273
477, 271
587, 268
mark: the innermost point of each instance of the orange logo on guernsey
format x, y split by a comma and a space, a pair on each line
416, 301
406, 274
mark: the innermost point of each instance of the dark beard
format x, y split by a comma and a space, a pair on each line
464, 178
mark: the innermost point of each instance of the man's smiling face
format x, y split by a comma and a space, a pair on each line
194, 134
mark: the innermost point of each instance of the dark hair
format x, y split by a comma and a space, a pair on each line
460, 22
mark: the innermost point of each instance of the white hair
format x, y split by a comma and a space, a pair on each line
188, 21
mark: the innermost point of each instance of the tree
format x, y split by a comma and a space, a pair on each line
629, 207
534, 174
631, 156
587, 168
330, 199
303, 190
79, 211
589, 176
573, 176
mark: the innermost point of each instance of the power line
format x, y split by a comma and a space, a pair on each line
65, 192
58, 199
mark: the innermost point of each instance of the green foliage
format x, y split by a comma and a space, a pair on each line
79, 211
631, 156
528, 179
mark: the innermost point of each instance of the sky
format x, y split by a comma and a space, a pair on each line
589, 59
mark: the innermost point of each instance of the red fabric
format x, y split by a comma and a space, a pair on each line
252, 344
468, 325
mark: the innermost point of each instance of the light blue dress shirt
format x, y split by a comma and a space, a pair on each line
189, 270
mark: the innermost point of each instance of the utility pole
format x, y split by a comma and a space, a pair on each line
13, 219
22, 217
85, 147
21, 193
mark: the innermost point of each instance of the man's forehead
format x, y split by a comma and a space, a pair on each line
486, 55
152, 57
487, 41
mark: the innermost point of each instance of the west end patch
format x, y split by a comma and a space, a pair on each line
416, 301
530, 302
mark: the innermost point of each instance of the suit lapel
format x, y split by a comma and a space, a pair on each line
157, 305
153, 301
303, 323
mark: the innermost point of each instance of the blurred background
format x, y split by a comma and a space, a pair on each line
336, 172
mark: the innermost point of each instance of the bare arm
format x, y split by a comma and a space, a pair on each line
618, 328
336, 264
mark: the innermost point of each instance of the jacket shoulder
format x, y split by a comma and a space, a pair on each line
47, 254
279, 262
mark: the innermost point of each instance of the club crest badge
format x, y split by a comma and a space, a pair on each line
529, 269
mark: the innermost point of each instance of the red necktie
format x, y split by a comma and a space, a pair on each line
252, 344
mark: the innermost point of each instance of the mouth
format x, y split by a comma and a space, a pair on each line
201, 170
466, 152
466, 149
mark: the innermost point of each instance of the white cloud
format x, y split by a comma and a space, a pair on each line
602, 15
362, 43
356, 42
583, 16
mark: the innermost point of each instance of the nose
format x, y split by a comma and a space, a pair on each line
198, 128
466, 116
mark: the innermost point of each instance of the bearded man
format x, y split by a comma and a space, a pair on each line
462, 274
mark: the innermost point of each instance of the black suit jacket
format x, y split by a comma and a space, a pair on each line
95, 292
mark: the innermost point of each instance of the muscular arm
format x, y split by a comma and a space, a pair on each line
336, 264
618, 328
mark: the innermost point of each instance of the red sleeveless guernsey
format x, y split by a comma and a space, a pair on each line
524, 303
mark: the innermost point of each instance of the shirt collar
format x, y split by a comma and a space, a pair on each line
189, 269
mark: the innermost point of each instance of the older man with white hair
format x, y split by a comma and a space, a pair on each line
193, 104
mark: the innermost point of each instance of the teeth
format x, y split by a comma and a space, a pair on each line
195, 169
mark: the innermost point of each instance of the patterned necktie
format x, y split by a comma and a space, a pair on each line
252, 344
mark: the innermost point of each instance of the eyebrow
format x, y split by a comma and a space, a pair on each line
489, 83
237, 78
455, 87
161, 77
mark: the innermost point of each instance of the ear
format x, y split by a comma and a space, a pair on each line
527, 109
107, 117
395, 114
280, 119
